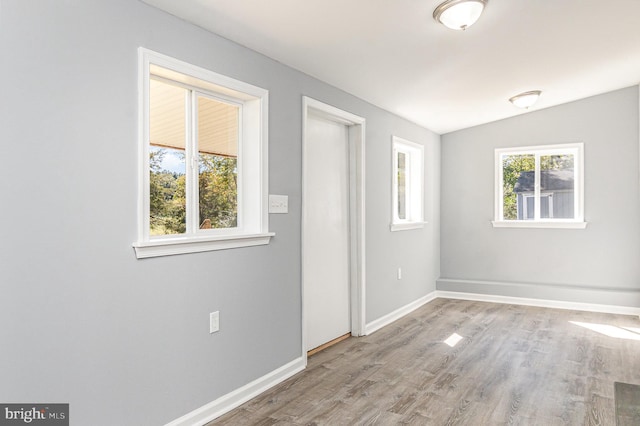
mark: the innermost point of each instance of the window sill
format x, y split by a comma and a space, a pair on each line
406, 226
539, 224
157, 248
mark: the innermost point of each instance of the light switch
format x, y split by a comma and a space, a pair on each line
278, 204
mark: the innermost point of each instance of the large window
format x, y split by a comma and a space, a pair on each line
540, 186
407, 188
203, 150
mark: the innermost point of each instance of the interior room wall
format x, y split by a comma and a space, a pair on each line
126, 341
597, 265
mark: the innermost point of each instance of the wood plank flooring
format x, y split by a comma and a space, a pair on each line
515, 365
627, 404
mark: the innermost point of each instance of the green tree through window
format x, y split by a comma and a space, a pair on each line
218, 193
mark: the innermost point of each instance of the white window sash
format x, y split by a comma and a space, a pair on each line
414, 185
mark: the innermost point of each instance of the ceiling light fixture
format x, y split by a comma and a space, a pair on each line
526, 99
459, 14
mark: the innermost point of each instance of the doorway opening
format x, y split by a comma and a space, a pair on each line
333, 239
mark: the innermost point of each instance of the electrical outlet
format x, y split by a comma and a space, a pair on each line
399, 273
214, 322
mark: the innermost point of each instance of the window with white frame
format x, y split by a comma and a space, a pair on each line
408, 181
203, 160
540, 186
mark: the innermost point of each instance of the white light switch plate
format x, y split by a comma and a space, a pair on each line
278, 204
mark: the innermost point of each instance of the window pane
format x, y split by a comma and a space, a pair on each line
546, 206
518, 181
167, 167
217, 163
557, 178
527, 212
402, 185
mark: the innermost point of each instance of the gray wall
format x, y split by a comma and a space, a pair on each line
596, 265
126, 341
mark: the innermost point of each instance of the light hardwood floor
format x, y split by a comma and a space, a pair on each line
514, 365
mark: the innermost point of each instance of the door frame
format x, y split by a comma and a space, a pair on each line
356, 140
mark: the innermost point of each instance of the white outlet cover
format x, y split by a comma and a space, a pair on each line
214, 322
278, 204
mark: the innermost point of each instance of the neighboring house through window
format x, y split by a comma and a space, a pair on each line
203, 167
540, 186
557, 198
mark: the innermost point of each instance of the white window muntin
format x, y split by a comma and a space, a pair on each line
414, 185
575, 149
252, 158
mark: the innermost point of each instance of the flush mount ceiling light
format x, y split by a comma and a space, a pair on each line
526, 99
459, 14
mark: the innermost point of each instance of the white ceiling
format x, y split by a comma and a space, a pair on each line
393, 54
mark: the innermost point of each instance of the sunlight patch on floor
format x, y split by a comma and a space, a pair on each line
453, 339
629, 333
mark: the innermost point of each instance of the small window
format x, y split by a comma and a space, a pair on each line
203, 167
408, 178
540, 186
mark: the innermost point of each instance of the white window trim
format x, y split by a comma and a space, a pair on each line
407, 226
415, 206
541, 150
254, 176
556, 223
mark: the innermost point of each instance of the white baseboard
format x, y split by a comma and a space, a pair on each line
398, 313
543, 303
228, 402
